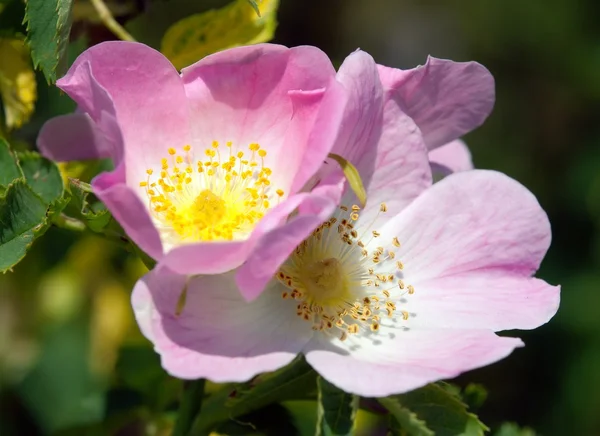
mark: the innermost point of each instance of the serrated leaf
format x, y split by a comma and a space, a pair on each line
22, 219
407, 420
290, 382
18, 88
9, 167
352, 176
42, 176
94, 215
336, 410
442, 411
48, 30
199, 35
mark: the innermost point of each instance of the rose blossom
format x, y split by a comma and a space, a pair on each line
210, 161
380, 300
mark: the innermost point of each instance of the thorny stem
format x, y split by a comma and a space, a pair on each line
109, 21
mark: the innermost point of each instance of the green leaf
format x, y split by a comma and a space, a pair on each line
353, 178
439, 408
22, 219
199, 35
93, 214
404, 419
42, 176
337, 410
291, 382
9, 167
254, 6
48, 29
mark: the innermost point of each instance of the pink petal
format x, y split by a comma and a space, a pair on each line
398, 361
446, 99
474, 221
148, 95
451, 158
287, 100
128, 210
218, 336
380, 140
72, 137
484, 300
276, 245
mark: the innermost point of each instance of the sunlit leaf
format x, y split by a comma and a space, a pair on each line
93, 213
17, 82
199, 35
337, 410
511, 429
433, 409
352, 176
48, 29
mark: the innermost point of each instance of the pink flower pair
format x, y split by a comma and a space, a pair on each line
220, 171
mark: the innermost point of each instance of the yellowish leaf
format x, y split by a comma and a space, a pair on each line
236, 24
17, 82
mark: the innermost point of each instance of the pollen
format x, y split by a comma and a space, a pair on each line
345, 277
208, 196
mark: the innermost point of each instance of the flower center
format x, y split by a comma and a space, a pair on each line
211, 198
345, 282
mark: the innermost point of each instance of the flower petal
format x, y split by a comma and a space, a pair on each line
451, 158
471, 221
482, 300
446, 99
148, 96
287, 100
128, 210
275, 246
218, 335
398, 361
72, 137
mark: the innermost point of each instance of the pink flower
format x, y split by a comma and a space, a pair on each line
210, 162
380, 300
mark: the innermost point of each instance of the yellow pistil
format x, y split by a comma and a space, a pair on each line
207, 197
342, 284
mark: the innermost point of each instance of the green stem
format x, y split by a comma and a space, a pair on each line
109, 21
191, 403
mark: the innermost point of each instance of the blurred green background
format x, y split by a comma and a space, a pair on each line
71, 354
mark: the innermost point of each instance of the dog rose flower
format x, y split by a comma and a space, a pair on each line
210, 161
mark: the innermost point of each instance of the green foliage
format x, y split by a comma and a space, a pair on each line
30, 194
433, 410
512, 429
294, 381
92, 213
48, 30
337, 410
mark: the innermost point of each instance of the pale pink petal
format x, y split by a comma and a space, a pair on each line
446, 99
218, 335
451, 158
148, 95
72, 137
128, 210
276, 245
396, 360
401, 168
474, 221
482, 299
287, 100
